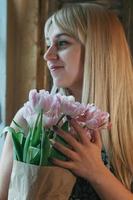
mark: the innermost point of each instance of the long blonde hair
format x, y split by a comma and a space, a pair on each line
108, 76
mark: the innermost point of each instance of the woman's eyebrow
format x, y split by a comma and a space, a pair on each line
59, 35
62, 34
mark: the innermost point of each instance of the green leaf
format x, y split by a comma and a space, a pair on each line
45, 149
19, 127
37, 131
18, 141
65, 126
33, 155
26, 145
33, 140
55, 153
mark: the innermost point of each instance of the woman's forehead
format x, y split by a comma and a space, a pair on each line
55, 32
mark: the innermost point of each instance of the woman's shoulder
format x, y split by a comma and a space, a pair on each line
6, 159
19, 119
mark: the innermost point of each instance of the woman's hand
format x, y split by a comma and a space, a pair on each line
84, 156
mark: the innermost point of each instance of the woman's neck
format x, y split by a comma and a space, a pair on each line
77, 93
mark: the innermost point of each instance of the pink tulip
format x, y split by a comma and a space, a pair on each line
54, 106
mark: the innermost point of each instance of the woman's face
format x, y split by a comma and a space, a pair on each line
65, 59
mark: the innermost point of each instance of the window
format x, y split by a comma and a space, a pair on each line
3, 55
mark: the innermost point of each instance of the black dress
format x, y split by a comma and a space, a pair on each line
83, 190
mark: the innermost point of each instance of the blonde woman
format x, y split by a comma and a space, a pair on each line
88, 57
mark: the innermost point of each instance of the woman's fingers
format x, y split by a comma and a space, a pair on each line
97, 138
82, 132
64, 164
66, 151
82, 159
85, 135
68, 138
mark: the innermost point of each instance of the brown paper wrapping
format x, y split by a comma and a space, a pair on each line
31, 182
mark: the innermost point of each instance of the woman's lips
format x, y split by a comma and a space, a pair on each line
54, 68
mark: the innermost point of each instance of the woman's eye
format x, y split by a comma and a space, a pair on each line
62, 44
59, 44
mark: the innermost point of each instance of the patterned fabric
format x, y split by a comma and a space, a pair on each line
83, 190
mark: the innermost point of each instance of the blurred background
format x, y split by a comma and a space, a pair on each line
22, 47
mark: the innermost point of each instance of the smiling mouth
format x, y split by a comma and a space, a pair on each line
54, 68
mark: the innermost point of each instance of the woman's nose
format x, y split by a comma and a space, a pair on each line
51, 53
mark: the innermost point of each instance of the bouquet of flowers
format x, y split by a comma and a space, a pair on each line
33, 175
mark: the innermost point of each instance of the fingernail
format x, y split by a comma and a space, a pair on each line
52, 141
